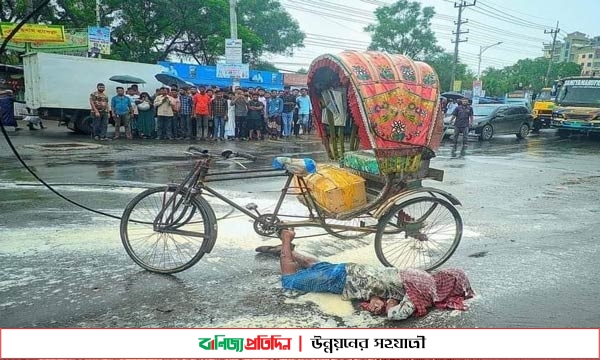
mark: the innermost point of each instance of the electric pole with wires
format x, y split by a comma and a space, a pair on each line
461, 6
552, 32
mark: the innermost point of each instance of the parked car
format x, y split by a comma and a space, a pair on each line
501, 119
497, 119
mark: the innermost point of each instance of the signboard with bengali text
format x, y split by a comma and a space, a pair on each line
75, 42
34, 33
230, 71
233, 51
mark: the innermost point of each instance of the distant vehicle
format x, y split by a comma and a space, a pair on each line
496, 119
490, 100
577, 107
11, 77
519, 97
542, 109
58, 87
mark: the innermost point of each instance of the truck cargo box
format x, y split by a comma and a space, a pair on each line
66, 82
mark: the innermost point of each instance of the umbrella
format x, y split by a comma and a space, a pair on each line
169, 80
453, 95
126, 79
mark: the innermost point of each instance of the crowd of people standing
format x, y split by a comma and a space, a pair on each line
202, 113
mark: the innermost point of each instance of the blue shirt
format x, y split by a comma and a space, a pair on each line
304, 105
274, 106
120, 105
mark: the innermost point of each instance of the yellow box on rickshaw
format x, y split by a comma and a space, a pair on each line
336, 190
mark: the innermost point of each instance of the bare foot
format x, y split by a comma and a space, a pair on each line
287, 235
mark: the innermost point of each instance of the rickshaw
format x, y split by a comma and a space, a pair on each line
379, 119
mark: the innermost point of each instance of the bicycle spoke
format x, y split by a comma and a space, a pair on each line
420, 233
176, 241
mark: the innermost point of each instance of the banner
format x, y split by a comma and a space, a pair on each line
295, 79
98, 41
477, 88
207, 75
34, 33
228, 71
233, 51
75, 42
457, 86
299, 343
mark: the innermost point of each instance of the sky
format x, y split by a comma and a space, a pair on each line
332, 26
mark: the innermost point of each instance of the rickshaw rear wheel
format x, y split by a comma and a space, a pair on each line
419, 233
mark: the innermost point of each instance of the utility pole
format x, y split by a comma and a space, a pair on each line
234, 33
233, 19
552, 32
29, 10
461, 6
98, 13
98, 21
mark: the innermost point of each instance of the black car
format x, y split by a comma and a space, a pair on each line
497, 119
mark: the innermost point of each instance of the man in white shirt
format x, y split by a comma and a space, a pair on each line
451, 107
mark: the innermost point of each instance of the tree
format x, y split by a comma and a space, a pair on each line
16, 10
404, 28
525, 73
442, 63
302, 71
154, 30
263, 65
279, 32
151, 31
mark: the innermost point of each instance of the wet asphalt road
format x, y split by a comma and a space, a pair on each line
530, 245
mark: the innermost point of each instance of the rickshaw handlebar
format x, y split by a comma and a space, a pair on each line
204, 153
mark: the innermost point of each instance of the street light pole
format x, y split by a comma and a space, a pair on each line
481, 50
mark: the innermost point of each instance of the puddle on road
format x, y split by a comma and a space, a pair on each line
329, 304
63, 146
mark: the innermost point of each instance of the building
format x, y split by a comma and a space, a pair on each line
547, 49
573, 44
577, 47
585, 58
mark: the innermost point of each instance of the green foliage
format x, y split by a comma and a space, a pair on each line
526, 73
263, 65
271, 23
404, 28
16, 10
9, 58
442, 63
153, 30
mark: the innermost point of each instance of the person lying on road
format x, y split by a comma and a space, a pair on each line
384, 291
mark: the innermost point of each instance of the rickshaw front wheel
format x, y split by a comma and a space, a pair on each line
419, 233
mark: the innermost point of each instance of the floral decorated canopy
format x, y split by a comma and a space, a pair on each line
392, 99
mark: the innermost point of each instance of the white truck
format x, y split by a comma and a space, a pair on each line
58, 87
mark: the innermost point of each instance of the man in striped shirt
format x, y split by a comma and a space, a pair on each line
219, 111
185, 114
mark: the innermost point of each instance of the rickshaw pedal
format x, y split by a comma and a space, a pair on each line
252, 207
